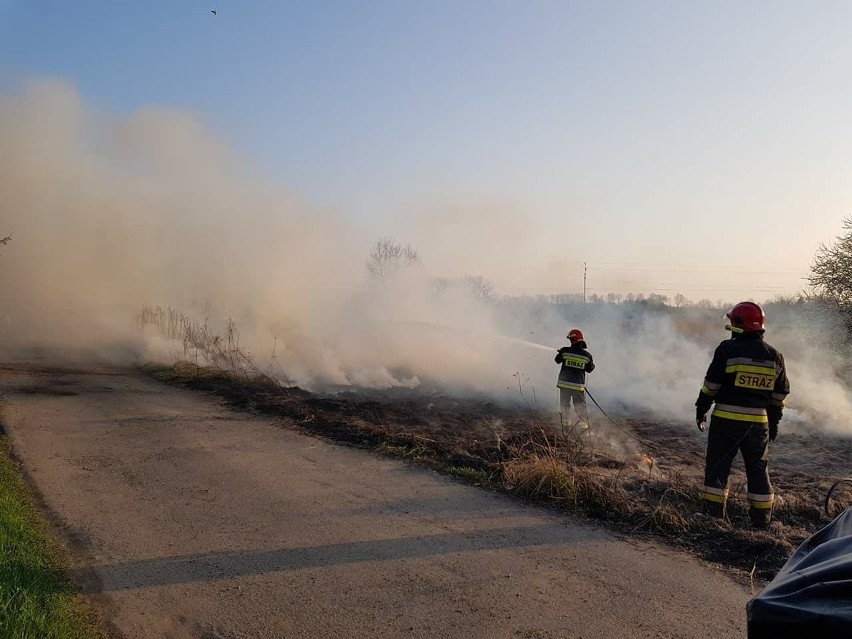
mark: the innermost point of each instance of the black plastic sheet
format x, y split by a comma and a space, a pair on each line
812, 594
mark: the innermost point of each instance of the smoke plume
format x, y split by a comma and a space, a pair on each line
111, 213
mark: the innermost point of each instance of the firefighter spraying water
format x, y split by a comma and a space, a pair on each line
575, 361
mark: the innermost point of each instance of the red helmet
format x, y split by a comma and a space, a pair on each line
575, 335
746, 317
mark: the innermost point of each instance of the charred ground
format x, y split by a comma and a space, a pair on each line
640, 476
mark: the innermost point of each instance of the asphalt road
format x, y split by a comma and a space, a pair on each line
185, 519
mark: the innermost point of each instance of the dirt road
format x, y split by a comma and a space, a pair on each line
188, 520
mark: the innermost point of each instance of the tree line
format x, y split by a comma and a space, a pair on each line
830, 281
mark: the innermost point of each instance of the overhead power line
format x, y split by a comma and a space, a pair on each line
673, 265
609, 284
693, 269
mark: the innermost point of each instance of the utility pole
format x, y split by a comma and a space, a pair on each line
585, 271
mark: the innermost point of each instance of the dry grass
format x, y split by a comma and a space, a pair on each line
564, 473
571, 473
550, 479
206, 347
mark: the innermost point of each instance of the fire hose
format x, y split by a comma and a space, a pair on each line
654, 449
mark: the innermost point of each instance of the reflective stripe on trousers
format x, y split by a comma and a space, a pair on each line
718, 495
725, 440
760, 501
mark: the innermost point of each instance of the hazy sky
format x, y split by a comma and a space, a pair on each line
694, 147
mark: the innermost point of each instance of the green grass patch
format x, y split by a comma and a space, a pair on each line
464, 473
393, 450
161, 372
37, 600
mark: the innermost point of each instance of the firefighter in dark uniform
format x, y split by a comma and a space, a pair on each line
575, 361
748, 382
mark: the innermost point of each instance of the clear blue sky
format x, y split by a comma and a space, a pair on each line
667, 139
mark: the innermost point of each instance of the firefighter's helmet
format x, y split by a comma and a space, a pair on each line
575, 335
746, 317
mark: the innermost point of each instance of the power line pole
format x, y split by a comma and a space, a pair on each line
585, 271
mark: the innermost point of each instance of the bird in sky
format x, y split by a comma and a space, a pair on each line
214, 12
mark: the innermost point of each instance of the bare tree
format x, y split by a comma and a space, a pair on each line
440, 284
831, 271
475, 286
389, 258
681, 301
479, 287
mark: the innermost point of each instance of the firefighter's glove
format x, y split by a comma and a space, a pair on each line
773, 431
700, 419
774, 413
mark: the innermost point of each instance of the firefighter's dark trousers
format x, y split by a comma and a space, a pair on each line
724, 439
578, 398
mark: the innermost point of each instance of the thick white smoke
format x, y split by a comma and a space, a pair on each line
654, 360
108, 214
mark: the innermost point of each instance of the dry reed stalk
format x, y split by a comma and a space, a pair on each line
206, 347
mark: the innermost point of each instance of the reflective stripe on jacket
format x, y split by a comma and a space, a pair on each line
741, 413
575, 361
747, 379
